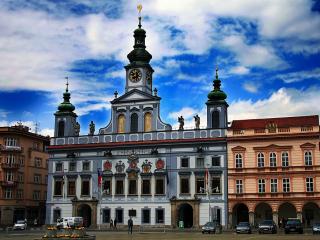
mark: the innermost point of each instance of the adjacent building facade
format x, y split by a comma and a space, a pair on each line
23, 175
138, 166
274, 167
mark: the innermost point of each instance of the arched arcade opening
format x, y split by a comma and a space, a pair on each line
263, 211
185, 214
310, 214
240, 213
84, 211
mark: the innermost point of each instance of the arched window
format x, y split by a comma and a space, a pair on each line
121, 123
238, 160
285, 159
308, 158
215, 119
260, 159
273, 159
147, 122
61, 129
134, 123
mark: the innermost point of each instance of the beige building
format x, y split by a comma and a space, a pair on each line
23, 175
273, 167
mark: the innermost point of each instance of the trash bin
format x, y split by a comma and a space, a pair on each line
181, 225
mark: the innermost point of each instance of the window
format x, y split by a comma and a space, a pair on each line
260, 160
19, 193
21, 161
215, 119
146, 186
71, 187
36, 146
215, 185
61, 129
200, 185
184, 185
274, 185
56, 214
119, 215
273, 159
132, 213
132, 187
121, 123
308, 158
59, 167
37, 178
85, 187
238, 160
159, 216
36, 195
72, 166
160, 186
309, 184
8, 193
20, 177
239, 186
285, 159
145, 216
9, 176
119, 187
58, 187
261, 186
215, 161
11, 142
106, 187
200, 162
10, 159
184, 162
86, 166
147, 122
37, 162
286, 185
134, 123
106, 215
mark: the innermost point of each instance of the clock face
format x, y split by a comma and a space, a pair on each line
135, 75
149, 77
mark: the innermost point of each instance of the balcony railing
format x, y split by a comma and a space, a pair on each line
11, 148
10, 165
5, 183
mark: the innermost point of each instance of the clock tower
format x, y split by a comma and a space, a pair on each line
138, 71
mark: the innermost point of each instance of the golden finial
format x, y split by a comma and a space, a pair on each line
139, 7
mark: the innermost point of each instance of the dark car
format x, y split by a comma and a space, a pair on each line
293, 225
212, 227
316, 228
267, 226
243, 227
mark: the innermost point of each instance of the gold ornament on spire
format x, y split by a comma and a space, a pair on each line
139, 7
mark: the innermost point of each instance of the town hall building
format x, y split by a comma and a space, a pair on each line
138, 166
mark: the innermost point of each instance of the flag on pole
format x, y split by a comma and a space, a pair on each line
99, 177
206, 176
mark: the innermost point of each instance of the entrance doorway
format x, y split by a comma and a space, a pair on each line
84, 211
240, 214
185, 214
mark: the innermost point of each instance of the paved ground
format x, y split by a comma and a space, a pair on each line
164, 236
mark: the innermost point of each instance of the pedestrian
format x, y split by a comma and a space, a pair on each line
115, 224
130, 225
111, 223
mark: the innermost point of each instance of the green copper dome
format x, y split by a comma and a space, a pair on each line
217, 94
66, 106
139, 54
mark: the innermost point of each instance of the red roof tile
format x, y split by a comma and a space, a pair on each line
280, 122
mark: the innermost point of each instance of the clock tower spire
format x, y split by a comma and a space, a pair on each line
138, 71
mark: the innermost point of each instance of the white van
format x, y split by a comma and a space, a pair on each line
70, 222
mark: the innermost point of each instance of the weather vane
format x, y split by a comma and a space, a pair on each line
139, 7
67, 84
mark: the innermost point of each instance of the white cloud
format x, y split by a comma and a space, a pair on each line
251, 87
47, 132
300, 76
241, 70
282, 103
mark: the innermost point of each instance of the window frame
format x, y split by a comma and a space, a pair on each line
163, 192
184, 160
273, 159
273, 185
261, 185
309, 184
86, 181
183, 186
286, 185
239, 160
285, 159
117, 192
260, 160
308, 158
143, 220
239, 186
143, 180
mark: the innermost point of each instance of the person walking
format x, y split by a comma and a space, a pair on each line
130, 225
115, 224
111, 224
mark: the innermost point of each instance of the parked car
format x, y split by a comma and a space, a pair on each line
69, 222
20, 225
267, 226
212, 227
293, 225
243, 227
316, 228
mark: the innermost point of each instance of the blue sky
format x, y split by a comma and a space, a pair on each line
268, 53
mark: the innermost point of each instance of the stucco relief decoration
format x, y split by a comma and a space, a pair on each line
160, 164
120, 167
146, 166
133, 161
107, 166
272, 127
